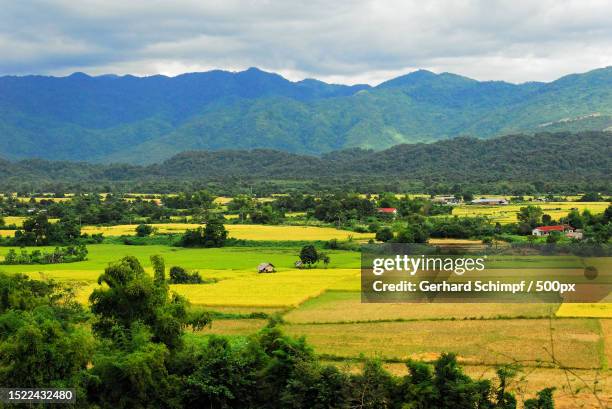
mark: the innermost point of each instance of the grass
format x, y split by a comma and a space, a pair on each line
337, 306
507, 214
215, 262
488, 342
242, 231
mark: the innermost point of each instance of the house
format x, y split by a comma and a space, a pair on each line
387, 210
447, 200
489, 202
266, 268
565, 229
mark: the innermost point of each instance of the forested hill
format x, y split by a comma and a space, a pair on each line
146, 120
580, 159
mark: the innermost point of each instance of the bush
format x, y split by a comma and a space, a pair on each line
144, 230
213, 235
384, 234
178, 275
68, 254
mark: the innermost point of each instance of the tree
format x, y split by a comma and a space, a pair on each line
144, 230
178, 275
468, 197
574, 219
309, 255
324, 258
384, 234
43, 341
213, 235
530, 217
544, 400
132, 296
159, 269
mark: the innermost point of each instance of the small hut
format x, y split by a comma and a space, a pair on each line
266, 268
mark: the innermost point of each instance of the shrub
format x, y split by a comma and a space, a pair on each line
178, 275
144, 230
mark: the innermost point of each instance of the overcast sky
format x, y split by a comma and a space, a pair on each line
350, 41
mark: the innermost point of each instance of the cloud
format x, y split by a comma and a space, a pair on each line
341, 41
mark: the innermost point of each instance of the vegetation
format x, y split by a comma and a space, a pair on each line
213, 234
68, 254
178, 275
128, 119
138, 354
461, 166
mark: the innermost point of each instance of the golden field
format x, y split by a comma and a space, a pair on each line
507, 213
241, 231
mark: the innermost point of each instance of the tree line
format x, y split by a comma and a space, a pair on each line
514, 164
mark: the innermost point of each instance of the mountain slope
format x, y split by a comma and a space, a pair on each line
144, 120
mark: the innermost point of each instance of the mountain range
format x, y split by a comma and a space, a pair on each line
143, 120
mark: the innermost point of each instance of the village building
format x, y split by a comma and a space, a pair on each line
266, 268
387, 210
489, 201
447, 200
565, 229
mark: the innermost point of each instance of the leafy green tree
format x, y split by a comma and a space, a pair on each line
309, 255
159, 269
384, 234
374, 387
42, 340
132, 296
544, 400
574, 219
213, 235
178, 275
530, 217
144, 230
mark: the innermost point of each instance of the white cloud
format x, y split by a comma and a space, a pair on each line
342, 41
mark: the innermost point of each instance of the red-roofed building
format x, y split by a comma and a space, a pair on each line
387, 210
564, 229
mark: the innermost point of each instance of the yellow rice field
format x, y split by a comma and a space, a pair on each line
507, 213
242, 231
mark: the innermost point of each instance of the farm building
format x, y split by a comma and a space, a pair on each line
387, 210
447, 200
265, 268
564, 229
489, 201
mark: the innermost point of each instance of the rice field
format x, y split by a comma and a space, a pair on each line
242, 231
505, 214
577, 343
283, 289
342, 307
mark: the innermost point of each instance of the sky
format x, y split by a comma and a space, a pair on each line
340, 41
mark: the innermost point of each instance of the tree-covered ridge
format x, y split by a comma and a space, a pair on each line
547, 161
145, 120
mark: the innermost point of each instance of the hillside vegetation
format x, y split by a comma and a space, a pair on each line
145, 120
578, 161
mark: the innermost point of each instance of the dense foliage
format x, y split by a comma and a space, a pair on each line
517, 165
138, 355
68, 254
